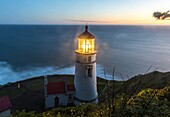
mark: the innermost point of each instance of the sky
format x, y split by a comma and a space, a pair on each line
69, 11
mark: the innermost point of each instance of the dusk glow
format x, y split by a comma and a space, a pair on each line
61, 12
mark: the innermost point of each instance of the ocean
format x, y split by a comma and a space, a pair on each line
34, 50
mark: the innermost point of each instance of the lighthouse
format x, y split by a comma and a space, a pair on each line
85, 69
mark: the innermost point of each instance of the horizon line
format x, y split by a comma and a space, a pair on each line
88, 24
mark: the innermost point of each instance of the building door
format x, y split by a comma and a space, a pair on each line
56, 101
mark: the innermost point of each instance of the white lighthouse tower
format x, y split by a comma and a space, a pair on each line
85, 69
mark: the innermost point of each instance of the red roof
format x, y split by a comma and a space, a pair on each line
58, 88
5, 103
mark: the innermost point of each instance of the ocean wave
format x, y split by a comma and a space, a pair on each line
8, 74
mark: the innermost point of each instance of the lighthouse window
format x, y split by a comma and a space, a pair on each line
89, 70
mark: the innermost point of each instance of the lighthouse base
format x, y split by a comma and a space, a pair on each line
78, 101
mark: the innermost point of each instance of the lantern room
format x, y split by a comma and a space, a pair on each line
86, 42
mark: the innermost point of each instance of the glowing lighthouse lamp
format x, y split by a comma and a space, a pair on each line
85, 69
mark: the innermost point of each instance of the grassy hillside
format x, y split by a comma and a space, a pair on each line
120, 97
155, 80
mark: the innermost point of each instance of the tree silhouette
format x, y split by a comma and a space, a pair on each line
162, 15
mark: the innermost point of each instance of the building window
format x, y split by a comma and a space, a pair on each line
70, 96
89, 70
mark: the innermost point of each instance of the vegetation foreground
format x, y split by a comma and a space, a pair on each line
143, 95
147, 103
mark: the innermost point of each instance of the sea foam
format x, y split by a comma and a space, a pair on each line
8, 74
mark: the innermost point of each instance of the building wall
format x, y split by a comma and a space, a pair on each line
5, 113
50, 100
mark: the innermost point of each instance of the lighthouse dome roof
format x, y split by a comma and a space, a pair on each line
86, 34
